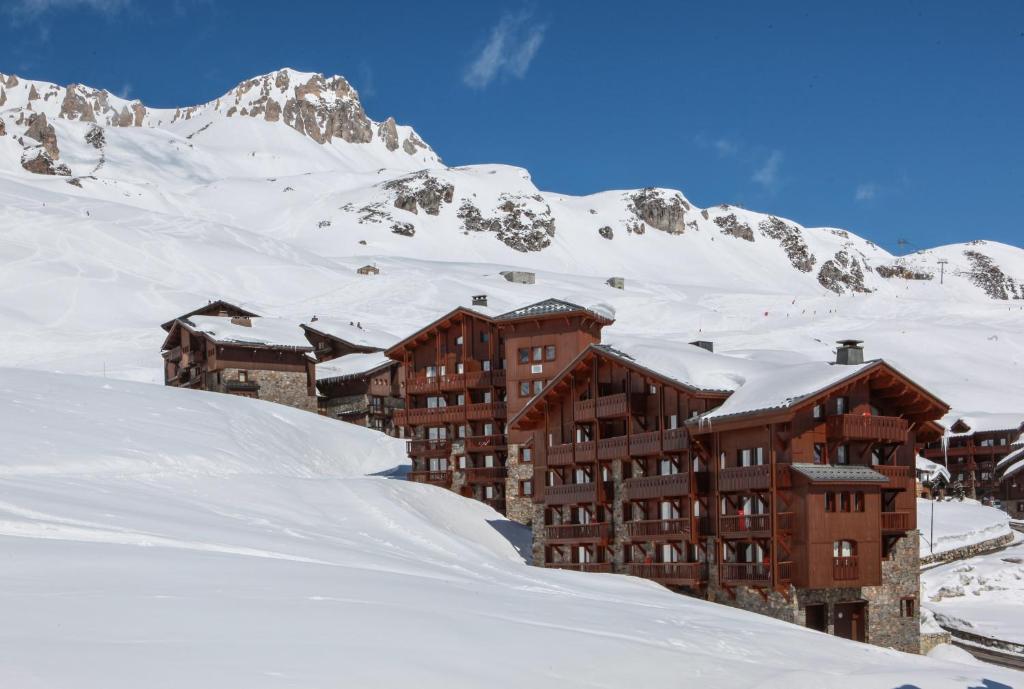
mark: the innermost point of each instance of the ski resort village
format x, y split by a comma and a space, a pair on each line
288, 400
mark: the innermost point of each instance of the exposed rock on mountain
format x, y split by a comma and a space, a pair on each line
990, 278
662, 211
406, 229
523, 223
734, 228
842, 272
792, 242
387, 131
43, 132
95, 137
38, 161
422, 190
898, 270
606, 232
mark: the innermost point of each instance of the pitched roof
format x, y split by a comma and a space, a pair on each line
352, 366
217, 304
355, 336
264, 332
983, 422
831, 473
548, 307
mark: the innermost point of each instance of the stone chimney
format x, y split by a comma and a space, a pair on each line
850, 352
243, 321
480, 300
704, 344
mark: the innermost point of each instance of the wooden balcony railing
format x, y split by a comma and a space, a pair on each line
584, 410
612, 405
671, 573
887, 429
485, 474
745, 572
482, 443
785, 521
844, 568
418, 385
429, 448
577, 493
560, 455
785, 572
437, 478
743, 526
896, 521
453, 381
642, 444
424, 416
486, 410
651, 487
613, 448
742, 479
676, 439
598, 567
485, 379
597, 531
586, 452
658, 529
899, 476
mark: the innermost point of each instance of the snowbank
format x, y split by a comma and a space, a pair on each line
958, 524
130, 562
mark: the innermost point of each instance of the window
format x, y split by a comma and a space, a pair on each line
858, 501
819, 453
830, 501
844, 549
743, 458
842, 405
549, 353
819, 411
243, 376
538, 385
458, 341
759, 456
907, 606
484, 337
526, 454
524, 356
844, 502
526, 488
653, 390
487, 365
524, 389
843, 454
431, 371
460, 368
489, 492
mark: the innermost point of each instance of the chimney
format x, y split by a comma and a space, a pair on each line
243, 321
850, 352
704, 344
480, 300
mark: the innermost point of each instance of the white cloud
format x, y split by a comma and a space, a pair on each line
726, 147
510, 49
125, 92
768, 174
866, 191
28, 10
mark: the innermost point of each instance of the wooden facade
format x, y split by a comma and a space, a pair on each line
806, 497
972, 456
367, 398
465, 374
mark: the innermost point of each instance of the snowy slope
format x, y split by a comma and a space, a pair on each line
950, 524
166, 538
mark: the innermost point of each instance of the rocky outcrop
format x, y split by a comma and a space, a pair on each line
521, 222
406, 229
898, 270
95, 137
990, 278
32, 93
606, 232
43, 132
3, 128
413, 143
323, 109
38, 161
420, 190
734, 228
387, 131
842, 272
666, 214
76, 106
792, 241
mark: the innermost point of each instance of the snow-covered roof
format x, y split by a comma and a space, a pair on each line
982, 422
348, 331
352, 365
931, 470
696, 369
545, 308
267, 332
830, 473
784, 386
1013, 462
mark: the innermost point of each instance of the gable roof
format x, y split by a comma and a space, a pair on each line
841, 473
394, 350
985, 422
216, 305
550, 307
352, 366
354, 337
268, 333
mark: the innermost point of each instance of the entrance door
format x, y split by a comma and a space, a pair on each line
849, 621
815, 617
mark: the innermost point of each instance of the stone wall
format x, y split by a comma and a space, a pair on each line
930, 641
518, 507
283, 387
539, 541
969, 551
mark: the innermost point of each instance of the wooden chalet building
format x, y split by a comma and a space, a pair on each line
465, 374
971, 450
793, 496
1010, 471
218, 307
264, 358
364, 389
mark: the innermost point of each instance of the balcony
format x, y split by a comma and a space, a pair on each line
434, 478
611, 406
485, 474
745, 526
845, 568
653, 487
658, 530
560, 455
676, 440
484, 379
613, 448
482, 411
599, 567
585, 410
643, 444
420, 385
482, 443
577, 493
743, 479
884, 429
897, 521
900, 477
429, 448
751, 573
453, 381
573, 533
426, 416
671, 573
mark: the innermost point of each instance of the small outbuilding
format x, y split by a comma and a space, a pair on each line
617, 283
520, 276
368, 270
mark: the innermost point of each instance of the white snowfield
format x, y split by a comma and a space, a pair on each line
982, 595
164, 538
958, 524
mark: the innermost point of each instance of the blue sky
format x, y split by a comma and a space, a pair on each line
897, 120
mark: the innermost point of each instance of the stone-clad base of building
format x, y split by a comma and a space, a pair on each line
886, 624
518, 508
283, 387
